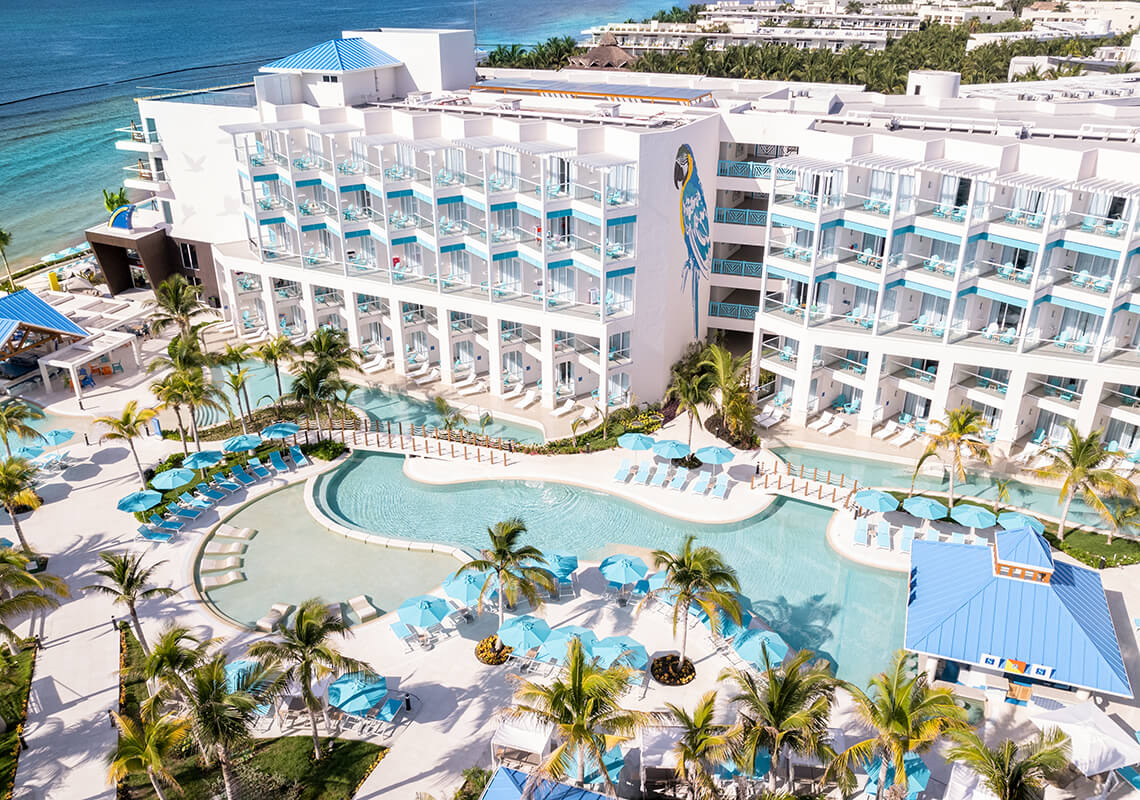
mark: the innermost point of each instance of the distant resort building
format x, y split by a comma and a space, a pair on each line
1009, 617
606, 54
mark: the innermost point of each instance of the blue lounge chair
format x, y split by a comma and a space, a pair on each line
241, 476
188, 499
258, 470
154, 536
861, 531
957, 537
185, 513
1130, 776
721, 486
623, 470
298, 457
701, 484
222, 482
660, 475
166, 524
208, 493
907, 538
642, 475
883, 535
682, 475
278, 462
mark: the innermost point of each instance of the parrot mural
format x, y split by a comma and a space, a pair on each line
694, 224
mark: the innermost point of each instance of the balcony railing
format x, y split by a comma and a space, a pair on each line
743, 169
733, 310
872, 205
137, 134
741, 216
727, 266
145, 173
1114, 228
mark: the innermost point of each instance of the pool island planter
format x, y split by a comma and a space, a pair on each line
489, 652
670, 671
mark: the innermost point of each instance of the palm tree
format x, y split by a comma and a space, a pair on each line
582, 706
222, 709
726, 375
237, 380
127, 427
113, 200
273, 352
183, 353
314, 385
175, 655
330, 346
516, 569
305, 648
197, 392
450, 417
905, 715
1082, 466
17, 481
1002, 487
146, 746
696, 576
15, 416
129, 583
1012, 771
176, 302
691, 392
168, 392
22, 592
785, 706
702, 747
5, 242
1120, 518
959, 434
575, 424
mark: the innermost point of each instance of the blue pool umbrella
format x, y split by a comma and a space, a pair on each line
58, 436
389, 709
917, 775
357, 694
651, 582
612, 763
671, 448
172, 478
561, 565
973, 516
875, 500
752, 644
202, 460
423, 611
622, 569
729, 627
714, 455
237, 444
524, 633
236, 670
29, 451
924, 507
622, 650
279, 430
467, 586
636, 441
1012, 520
556, 644
139, 501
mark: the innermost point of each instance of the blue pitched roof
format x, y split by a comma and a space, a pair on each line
1023, 546
27, 308
335, 55
509, 784
960, 610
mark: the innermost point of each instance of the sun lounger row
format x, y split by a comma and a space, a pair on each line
661, 478
828, 424
884, 536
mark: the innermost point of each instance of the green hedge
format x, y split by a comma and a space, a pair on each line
624, 420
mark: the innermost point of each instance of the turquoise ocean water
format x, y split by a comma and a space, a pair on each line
71, 68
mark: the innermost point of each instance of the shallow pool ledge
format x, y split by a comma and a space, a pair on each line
595, 471
841, 539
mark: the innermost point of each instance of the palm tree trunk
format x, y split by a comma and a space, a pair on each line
138, 464
19, 531
229, 780
502, 613
774, 770
582, 767
317, 415
684, 634
316, 736
950, 494
277, 374
194, 428
181, 430
138, 630
248, 407
161, 795
1064, 516
690, 429
7, 447
8, 269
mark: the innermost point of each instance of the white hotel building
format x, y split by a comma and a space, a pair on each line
895, 255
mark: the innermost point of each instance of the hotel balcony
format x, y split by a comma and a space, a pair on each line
752, 211
747, 263
727, 168
943, 215
138, 140
1105, 231
145, 178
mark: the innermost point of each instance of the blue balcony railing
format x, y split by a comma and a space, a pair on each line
733, 310
729, 266
743, 169
741, 216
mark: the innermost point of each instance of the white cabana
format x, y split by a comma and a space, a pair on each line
84, 352
657, 751
524, 735
965, 784
1099, 744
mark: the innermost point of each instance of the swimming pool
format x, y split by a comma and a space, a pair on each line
379, 404
813, 597
875, 472
292, 558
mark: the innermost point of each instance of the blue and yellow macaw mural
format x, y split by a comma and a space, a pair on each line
694, 225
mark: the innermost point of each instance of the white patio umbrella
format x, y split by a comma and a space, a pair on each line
1099, 744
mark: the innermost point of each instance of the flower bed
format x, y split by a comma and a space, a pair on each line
488, 652
669, 671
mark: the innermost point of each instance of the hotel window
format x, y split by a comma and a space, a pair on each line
881, 185
947, 252
330, 79
455, 161
618, 388
510, 331
507, 168
565, 377
506, 220
906, 193
464, 353
619, 346
189, 255
510, 275
513, 364
460, 266
619, 294
561, 284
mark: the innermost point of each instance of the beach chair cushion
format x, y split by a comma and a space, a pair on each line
207, 492
278, 462
240, 475
166, 524
623, 470
679, 478
258, 469
659, 476
701, 484
298, 457
153, 535
721, 486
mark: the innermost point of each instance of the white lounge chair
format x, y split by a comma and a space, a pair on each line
837, 424
564, 409
277, 612
219, 564
362, 608
824, 419
588, 413
890, 429
906, 436
419, 371
516, 391
1029, 452
375, 365
774, 418
469, 380
431, 377
529, 399
230, 532
224, 549
222, 579
477, 388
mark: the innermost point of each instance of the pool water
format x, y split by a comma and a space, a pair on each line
292, 559
377, 403
851, 614
874, 472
